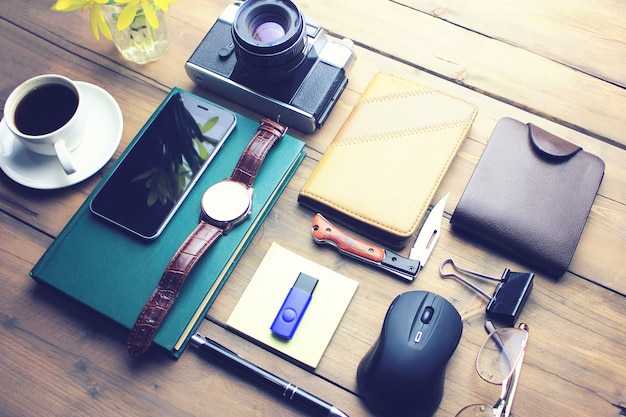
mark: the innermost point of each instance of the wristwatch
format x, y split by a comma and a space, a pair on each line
224, 205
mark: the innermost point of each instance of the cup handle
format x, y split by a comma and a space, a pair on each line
64, 157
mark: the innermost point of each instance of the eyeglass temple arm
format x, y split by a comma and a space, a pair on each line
491, 330
500, 405
508, 389
514, 379
509, 385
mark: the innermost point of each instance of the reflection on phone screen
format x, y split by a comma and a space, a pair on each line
163, 164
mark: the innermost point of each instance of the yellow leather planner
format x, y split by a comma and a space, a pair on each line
381, 171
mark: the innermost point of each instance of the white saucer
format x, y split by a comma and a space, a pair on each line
103, 132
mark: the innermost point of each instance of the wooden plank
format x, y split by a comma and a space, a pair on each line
589, 37
71, 362
606, 227
49, 211
60, 359
556, 311
37, 320
510, 74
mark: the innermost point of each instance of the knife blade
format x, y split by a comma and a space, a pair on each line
430, 232
324, 232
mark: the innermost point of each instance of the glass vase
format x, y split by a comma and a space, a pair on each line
140, 42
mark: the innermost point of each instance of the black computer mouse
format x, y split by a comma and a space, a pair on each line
403, 373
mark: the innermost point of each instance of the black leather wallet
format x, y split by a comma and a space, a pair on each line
530, 194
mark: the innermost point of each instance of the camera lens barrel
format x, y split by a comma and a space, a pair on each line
270, 37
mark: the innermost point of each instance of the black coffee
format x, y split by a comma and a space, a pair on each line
45, 109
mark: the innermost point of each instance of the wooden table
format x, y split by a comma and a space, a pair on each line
559, 64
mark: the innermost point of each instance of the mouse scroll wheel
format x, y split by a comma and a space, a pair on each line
427, 315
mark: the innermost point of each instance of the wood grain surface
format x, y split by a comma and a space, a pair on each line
559, 64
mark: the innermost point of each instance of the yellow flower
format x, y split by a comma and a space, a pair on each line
95, 15
148, 7
126, 17
130, 11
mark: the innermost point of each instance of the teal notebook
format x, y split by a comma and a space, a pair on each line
114, 273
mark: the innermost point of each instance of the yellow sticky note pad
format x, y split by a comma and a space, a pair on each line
254, 313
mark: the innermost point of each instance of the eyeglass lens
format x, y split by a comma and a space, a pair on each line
500, 353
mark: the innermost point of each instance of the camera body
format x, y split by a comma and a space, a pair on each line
265, 55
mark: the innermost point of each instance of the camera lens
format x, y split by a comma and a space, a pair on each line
270, 37
268, 31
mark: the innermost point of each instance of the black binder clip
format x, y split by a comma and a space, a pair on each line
509, 297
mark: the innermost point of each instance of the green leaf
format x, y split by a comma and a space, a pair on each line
152, 198
147, 173
203, 153
209, 124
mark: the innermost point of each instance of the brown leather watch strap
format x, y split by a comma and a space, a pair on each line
252, 157
166, 292
197, 243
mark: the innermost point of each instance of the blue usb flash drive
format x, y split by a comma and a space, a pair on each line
294, 306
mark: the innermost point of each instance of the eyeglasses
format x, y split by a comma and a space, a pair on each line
499, 361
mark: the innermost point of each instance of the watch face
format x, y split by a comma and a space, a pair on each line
227, 201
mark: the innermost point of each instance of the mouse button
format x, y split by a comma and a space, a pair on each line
402, 316
419, 336
430, 314
400, 306
429, 297
449, 330
427, 314
444, 316
425, 309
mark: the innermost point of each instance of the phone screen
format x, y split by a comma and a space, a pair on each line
156, 174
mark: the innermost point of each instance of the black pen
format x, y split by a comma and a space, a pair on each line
287, 390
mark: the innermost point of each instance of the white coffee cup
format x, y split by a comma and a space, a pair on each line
45, 114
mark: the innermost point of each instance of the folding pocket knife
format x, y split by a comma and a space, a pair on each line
324, 232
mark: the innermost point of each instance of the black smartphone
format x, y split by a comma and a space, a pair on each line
155, 175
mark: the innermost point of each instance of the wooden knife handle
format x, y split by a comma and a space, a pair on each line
325, 232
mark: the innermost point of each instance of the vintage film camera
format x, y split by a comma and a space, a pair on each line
265, 55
